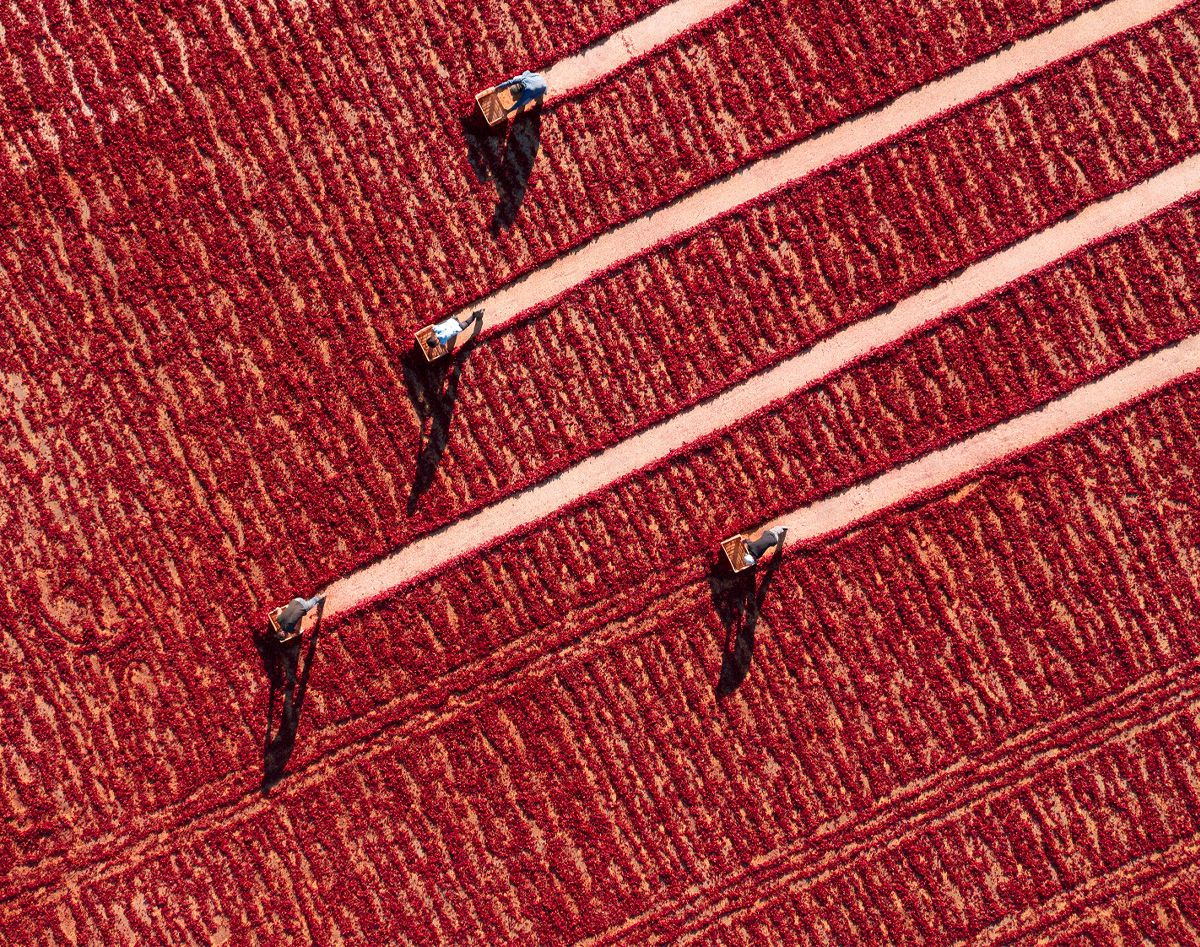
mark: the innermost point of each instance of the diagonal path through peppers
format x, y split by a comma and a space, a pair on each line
833, 354
760, 177
940, 469
606, 56
227, 801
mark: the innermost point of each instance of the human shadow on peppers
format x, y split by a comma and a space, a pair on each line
281, 662
738, 599
433, 390
504, 154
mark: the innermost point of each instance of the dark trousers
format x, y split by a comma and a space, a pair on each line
764, 542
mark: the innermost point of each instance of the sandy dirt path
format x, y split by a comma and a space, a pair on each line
805, 157
941, 468
735, 404
637, 39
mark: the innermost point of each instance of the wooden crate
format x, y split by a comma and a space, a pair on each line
273, 621
734, 549
430, 347
493, 104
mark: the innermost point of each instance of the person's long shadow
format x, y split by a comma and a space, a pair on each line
738, 599
433, 390
504, 155
281, 662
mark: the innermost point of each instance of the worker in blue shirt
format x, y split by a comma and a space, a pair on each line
530, 87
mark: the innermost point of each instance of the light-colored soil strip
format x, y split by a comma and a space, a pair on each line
637, 39
803, 158
734, 404
839, 512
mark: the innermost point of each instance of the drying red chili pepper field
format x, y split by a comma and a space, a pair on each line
918, 280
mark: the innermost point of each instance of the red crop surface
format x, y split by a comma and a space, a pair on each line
179, 396
1041, 337
1100, 308
341, 474
750, 289
986, 734
761, 76
221, 222
204, 344
1159, 904
192, 213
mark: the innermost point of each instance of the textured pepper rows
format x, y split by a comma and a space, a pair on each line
181, 181
1099, 309
393, 671
958, 718
270, 78
763, 283
759, 77
128, 331
786, 220
345, 467
210, 243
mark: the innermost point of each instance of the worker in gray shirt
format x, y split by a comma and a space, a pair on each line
756, 549
295, 610
530, 87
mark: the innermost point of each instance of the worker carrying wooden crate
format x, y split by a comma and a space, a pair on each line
528, 87
285, 621
438, 339
511, 96
743, 552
